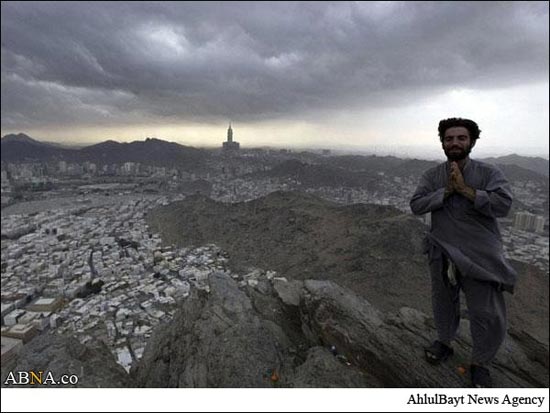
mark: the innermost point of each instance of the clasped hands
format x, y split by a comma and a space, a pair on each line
456, 184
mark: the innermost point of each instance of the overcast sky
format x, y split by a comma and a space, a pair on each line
376, 75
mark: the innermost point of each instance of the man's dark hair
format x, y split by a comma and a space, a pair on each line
466, 123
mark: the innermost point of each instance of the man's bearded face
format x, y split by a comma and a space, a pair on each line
457, 144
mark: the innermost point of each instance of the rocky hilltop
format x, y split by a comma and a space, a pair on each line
372, 249
271, 332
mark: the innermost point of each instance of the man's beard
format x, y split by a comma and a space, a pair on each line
459, 155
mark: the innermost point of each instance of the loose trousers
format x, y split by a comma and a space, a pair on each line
486, 311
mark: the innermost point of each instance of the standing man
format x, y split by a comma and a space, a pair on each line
464, 247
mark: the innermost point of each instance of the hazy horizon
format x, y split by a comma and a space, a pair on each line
286, 74
433, 152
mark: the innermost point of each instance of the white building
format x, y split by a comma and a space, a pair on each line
539, 224
528, 222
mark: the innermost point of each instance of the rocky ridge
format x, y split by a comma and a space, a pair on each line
271, 332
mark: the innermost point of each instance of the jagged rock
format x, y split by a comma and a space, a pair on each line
390, 347
322, 369
93, 363
236, 337
289, 292
215, 340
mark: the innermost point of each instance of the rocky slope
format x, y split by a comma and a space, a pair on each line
93, 363
259, 330
278, 333
374, 250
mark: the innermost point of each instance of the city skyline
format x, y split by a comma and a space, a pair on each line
355, 76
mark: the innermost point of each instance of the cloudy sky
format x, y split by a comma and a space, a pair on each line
350, 75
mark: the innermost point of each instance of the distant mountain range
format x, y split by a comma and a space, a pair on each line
347, 170
359, 171
22, 148
21, 137
536, 164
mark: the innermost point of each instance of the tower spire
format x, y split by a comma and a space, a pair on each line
230, 146
229, 133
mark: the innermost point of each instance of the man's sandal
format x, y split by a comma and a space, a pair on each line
438, 352
481, 378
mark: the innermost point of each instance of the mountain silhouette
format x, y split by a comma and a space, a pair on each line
19, 148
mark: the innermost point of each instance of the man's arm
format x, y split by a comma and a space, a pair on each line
495, 200
426, 198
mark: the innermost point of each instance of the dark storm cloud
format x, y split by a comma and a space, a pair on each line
108, 63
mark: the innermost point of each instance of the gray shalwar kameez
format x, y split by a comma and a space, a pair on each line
466, 234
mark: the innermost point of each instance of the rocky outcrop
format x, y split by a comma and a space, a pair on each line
260, 330
93, 363
216, 339
272, 333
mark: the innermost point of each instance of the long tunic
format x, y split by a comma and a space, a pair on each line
467, 232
